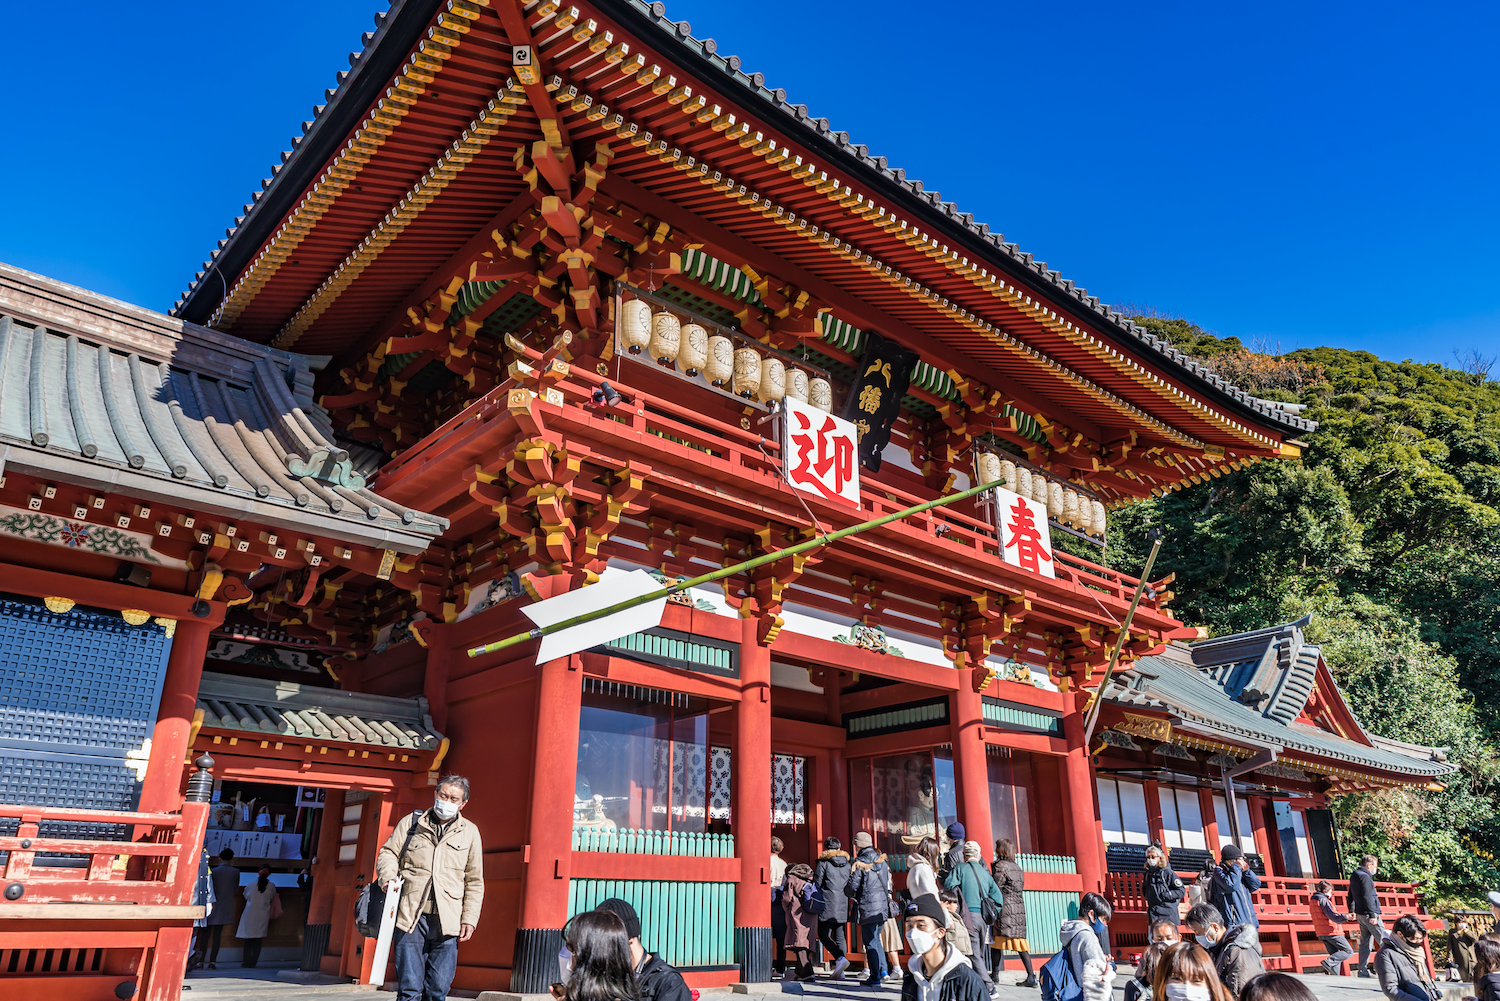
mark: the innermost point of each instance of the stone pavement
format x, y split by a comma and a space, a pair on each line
235, 984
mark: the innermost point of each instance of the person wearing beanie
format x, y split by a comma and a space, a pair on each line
955, 855
938, 971
657, 980
1231, 885
972, 879
870, 890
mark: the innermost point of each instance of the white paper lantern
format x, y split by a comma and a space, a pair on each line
796, 384
1085, 522
746, 372
693, 354
1055, 493
719, 368
1023, 481
635, 325
820, 395
772, 380
666, 338
1070, 508
1099, 515
1039, 488
1008, 474
989, 467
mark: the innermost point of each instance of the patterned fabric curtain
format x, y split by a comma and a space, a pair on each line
788, 794
788, 787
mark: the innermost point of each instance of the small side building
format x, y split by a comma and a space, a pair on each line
1242, 739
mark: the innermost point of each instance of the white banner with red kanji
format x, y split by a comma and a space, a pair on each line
1025, 538
820, 452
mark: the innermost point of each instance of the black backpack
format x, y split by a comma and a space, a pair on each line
370, 904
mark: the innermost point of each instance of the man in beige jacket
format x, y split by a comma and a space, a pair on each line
437, 854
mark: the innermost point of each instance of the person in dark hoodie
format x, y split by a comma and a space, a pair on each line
1231, 885
939, 972
832, 877
870, 889
1487, 969
656, 979
1235, 951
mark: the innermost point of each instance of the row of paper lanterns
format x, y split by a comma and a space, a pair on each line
695, 351
1065, 506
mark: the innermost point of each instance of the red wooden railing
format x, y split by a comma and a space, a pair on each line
69, 934
752, 456
1281, 904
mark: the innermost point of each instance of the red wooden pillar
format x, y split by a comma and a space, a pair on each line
1078, 787
751, 807
1210, 820
161, 790
970, 770
1257, 807
836, 818
548, 854
435, 679
1153, 809
319, 930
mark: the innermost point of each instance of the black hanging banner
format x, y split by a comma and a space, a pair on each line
875, 399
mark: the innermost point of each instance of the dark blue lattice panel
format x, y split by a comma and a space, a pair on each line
80, 680
76, 781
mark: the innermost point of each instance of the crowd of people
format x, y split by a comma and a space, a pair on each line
958, 918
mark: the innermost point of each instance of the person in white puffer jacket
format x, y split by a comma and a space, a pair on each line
1090, 965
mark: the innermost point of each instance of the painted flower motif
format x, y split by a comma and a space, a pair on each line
74, 534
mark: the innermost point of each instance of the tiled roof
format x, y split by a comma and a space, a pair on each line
306, 713
1200, 687
398, 30
238, 436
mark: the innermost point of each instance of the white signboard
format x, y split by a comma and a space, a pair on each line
387, 932
1025, 538
612, 588
820, 452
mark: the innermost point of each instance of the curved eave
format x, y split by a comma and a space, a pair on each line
472, 198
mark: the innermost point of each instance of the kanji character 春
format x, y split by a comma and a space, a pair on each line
1025, 537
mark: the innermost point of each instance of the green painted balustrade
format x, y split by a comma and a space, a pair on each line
1046, 910
690, 924
1047, 863
640, 842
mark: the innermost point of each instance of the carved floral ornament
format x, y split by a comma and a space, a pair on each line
1150, 727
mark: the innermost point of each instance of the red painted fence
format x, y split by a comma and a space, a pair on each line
1282, 907
73, 934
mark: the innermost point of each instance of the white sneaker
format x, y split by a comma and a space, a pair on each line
839, 966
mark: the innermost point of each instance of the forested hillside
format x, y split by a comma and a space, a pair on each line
1387, 531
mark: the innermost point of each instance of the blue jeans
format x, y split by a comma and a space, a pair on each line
426, 960
874, 954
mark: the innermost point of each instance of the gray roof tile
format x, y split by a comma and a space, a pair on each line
303, 712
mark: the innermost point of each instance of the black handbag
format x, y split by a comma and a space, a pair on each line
370, 904
989, 911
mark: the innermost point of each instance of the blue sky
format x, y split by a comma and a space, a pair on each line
1294, 175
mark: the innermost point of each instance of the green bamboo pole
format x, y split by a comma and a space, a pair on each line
1140, 587
750, 564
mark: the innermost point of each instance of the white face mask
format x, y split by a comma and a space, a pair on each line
1205, 941
921, 942
444, 809
1187, 992
565, 961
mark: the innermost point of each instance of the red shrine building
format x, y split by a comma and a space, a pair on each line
546, 294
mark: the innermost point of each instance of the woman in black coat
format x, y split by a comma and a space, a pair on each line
1162, 889
1010, 930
